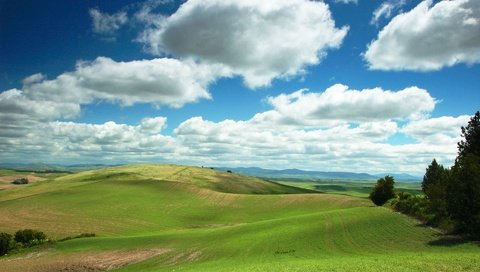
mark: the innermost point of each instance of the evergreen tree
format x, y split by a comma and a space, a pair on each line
471, 135
463, 190
434, 185
463, 195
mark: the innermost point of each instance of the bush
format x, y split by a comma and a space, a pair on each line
29, 237
20, 181
416, 206
383, 191
5, 243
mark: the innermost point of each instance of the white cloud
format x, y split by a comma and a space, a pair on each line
429, 37
161, 82
153, 125
106, 24
158, 81
35, 78
321, 136
430, 129
14, 103
146, 13
313, 131
339, 103
386, 10
250, 37
60, 141
361, 148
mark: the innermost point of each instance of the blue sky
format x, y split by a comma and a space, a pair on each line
370, 86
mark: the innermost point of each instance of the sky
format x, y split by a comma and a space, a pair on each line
335, 85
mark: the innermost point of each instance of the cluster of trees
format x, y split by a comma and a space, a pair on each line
22, 238
452, 196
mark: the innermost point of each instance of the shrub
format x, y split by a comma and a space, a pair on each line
5, 243
29, 237
416, 206
20, 181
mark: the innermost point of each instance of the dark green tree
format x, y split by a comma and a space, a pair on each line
463, 190
471, 135
5, 243
463, 195
434, 185
383, 191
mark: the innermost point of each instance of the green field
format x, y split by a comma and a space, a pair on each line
175, 218
351, 187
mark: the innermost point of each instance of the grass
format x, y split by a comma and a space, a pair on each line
206, 220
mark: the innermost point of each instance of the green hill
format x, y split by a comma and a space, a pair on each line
167, 217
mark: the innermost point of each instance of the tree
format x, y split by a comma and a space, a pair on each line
463, 190
434, 185
471, 134
5, 243
383, 191
463, 195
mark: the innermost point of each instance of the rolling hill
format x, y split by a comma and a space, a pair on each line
168, 217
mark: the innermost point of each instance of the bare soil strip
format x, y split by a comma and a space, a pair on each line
91, 261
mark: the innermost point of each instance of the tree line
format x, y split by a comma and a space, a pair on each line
451, 195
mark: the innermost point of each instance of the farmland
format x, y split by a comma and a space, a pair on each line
169, 217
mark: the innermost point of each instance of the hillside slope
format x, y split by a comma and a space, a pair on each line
164, 218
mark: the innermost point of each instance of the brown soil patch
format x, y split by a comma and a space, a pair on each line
92, 261
182, 257
6, 181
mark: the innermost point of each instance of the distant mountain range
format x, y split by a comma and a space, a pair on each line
303, 174
41, 167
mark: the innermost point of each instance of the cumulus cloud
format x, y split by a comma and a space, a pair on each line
153, 125
106, 24
158, 81
313, 131
59, 141
429, 37
340, 147
15, 103
18, 113
339, 103
432, 129
161, 82
251, 38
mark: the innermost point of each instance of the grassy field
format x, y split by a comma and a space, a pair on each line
175, 218
359, 188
